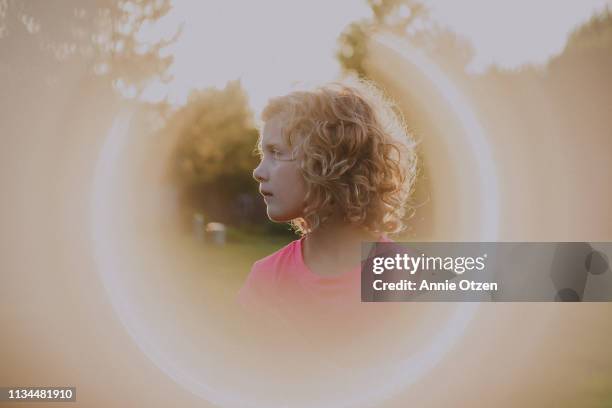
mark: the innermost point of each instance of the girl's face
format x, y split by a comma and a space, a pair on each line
278, 174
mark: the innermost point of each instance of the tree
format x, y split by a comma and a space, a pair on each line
102, 33
595, 35
390, 15
214, 156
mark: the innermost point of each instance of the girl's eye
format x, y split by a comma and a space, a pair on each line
275, 154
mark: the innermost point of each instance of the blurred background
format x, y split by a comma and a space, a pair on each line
130, 218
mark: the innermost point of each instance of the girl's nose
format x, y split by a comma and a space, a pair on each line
258, 173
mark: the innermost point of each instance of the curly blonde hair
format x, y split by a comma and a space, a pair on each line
357, 157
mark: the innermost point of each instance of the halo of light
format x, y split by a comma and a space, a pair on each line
406, 372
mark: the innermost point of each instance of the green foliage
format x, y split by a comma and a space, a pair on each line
103, 33
118, 50
214, 156
396, 15
352, 51
215, 137
595, 34
390, 15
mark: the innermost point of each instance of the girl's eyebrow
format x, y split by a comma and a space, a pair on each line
270, 146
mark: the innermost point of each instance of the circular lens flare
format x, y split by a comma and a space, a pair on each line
115, 271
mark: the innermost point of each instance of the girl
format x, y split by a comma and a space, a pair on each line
337, 164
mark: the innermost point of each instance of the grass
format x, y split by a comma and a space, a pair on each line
220, 269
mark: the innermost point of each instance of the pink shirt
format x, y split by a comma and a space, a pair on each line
282, 285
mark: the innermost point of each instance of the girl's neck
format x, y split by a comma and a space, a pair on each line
334, 247
339, 233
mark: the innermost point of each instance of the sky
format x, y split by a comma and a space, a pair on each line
271, 44
516, 32
267, 44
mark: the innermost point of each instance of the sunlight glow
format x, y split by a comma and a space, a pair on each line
397, 374
513, 33
270, 45
267, 44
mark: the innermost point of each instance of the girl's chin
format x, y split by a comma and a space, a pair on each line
277, 213
276, 216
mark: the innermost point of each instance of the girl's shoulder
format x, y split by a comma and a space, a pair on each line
266, 273
278, 258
